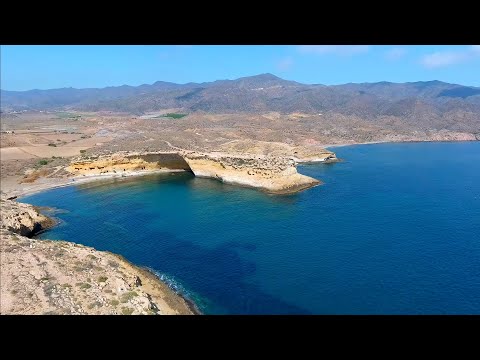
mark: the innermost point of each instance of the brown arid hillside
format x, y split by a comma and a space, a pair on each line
422, 106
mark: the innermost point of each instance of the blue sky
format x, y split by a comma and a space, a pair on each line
47, 67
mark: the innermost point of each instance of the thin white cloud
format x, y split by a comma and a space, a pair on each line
285, 64
395, 53
343, 50
446, 58
443, 58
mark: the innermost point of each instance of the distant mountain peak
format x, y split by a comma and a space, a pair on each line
260, 77
266, 76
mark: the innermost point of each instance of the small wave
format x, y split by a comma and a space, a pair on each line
178, 288
172, 283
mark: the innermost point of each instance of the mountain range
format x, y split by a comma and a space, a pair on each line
429, 101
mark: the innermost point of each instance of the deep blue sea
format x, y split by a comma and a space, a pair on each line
394, 229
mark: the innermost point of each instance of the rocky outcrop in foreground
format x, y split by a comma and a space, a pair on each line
58, 277
22, 219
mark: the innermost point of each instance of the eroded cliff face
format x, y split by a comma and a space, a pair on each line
275, 174
127, 162
22, 219
272, 174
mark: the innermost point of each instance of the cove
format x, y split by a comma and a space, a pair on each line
395, 229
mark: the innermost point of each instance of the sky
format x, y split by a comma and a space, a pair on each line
86, 66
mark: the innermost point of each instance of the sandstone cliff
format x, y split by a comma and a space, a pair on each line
275, 174
22, 219
126, 162
272, 174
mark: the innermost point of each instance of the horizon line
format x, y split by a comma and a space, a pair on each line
234, 79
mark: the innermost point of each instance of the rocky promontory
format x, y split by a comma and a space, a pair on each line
23, 219
59, 277
269, 173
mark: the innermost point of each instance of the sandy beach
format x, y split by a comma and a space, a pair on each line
12, 189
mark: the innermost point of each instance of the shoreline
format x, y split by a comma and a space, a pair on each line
58, 183
16, 194
190, 303
328, 146
150, 273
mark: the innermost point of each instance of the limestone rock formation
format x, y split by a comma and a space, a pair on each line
22, 219
272, 174
125, 161
275, 174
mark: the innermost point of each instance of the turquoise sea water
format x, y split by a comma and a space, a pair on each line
395, 229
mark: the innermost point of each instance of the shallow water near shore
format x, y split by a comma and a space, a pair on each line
394, 229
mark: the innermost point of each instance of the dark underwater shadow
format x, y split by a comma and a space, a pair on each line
219, 274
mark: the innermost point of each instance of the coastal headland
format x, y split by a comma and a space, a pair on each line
59, 277
274, 174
